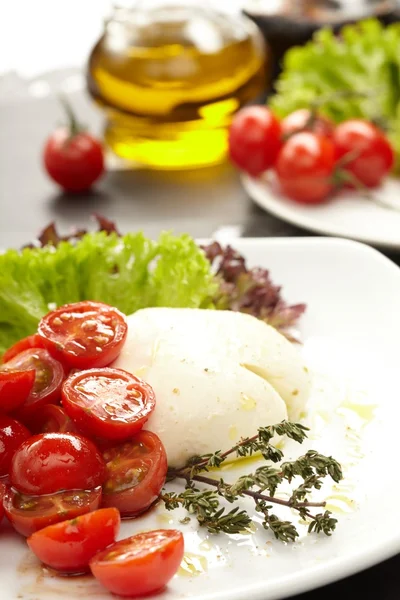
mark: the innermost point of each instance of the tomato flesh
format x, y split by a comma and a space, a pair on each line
52, 419
32, 341
28, 514
108, 403
50, 462
12, 435
49, 375
69, 546
15, 387
136, 473
84, 335
305, 167
141, 564
2, 492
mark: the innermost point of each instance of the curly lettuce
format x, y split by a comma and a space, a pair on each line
364, 58
129, 272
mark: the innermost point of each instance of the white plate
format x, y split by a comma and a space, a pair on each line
351, 335
348, 215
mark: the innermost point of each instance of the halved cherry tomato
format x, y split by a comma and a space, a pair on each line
85, 334
12, 434
141, 564
52, 419
15, 387
50, 462
32, 341
300, 120
31, 513
136, 473
108, 403
48, 379
2, 492
69, 546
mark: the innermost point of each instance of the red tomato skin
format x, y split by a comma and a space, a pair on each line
50, 462
375, 157
49, 377
144, 572
12, 435
92, 418
297, 121
52, 419
2, 492
32, 341
134, 500
69, 546
254, 139
74, 162
57, 333
27, 522
305, 168
15, 387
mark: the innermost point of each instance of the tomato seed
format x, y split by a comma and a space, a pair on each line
89, 325
57, 321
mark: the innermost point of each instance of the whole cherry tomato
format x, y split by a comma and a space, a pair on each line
28, 514
303, 120
136, 472
108, 403
305, 167
50, 462
85, 334
364, 151
12, 434
254, 139
141, 564
73, 158
69, 546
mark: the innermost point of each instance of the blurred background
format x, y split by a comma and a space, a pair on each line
159, 87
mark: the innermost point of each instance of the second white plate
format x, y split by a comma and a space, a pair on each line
349, 215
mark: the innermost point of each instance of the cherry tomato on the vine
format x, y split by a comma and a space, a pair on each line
141, 564
304, 120
363, 151
85, 334
50, 462
28, 513
69, 546
305, 167
136, 472
254, 139
12, 434
73, 157
108, 403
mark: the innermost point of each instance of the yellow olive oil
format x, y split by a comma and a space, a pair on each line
170, 80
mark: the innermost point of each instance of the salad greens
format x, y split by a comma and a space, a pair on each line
131, 272
364, 59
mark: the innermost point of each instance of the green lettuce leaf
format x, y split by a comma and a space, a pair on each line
129, 272
364, 58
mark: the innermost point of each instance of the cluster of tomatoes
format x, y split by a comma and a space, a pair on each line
74, 457
310, 155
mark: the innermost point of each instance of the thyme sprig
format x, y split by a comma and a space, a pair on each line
261, 485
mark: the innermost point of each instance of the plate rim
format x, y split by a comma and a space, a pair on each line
253, 188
